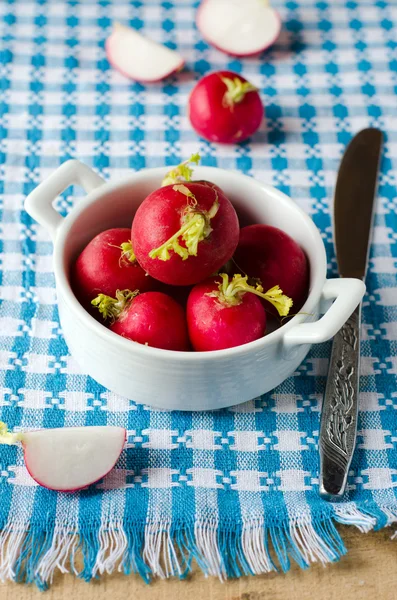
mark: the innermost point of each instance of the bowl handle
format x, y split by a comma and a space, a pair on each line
347, 294
39, 202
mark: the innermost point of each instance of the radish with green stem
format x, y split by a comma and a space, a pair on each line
224, 107
68, 459
106, 264
224, 312
271, 256
185, 232
152, 319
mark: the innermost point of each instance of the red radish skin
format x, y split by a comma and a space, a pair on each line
272, 256
68, 491
225, 108
161, 215
214, 34
224, 312
214, 326
102, 268
156, 320
152, 319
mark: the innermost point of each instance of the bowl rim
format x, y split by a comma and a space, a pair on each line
64, 288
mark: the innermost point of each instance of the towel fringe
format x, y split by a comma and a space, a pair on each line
255, 549
163, 549
349, 514
159, 551
112, 546
63, 547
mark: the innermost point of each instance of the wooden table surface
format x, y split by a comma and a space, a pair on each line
367, 572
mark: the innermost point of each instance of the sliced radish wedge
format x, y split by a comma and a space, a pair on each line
70, 458
139, 57
238, 27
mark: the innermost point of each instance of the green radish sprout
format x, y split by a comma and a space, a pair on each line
230, 293
111, 308
7, 437
182, 172
196, 227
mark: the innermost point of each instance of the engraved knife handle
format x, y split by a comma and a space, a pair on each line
340, 407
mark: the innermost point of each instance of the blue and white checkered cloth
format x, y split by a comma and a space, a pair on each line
219, 487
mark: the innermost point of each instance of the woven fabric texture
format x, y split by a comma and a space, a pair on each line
221, 487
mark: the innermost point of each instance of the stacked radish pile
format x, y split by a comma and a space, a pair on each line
185, 276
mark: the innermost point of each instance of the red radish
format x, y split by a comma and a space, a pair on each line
224, 107
107, 264
153, 319
223, 313
272, 256
140, 58
70, 458
183, 233
239, 28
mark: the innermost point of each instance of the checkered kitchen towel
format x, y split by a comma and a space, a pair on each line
220, 487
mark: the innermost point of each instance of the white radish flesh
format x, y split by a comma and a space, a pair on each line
71, 458
139, 57
238, 27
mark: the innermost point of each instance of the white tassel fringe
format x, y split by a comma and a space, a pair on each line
161, 552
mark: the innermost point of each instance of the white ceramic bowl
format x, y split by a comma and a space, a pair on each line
186, 380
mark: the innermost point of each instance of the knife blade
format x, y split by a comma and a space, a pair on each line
354, 201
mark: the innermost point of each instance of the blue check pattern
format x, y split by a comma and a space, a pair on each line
221, 487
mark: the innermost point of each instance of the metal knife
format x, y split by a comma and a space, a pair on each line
355, 193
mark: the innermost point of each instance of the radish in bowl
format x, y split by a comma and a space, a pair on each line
70, 458
224, 312
106, 264
224, 107
183, 233
152, 319
272, 257
238, 27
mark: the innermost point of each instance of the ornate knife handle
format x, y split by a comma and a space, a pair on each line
340, 408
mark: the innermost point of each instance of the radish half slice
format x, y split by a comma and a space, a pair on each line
71, 458
238, 27
140, 58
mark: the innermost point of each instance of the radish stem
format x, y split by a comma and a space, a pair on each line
231, 292
127, 251
112, 307
236, 90
196, 228
182, 172
7, 437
